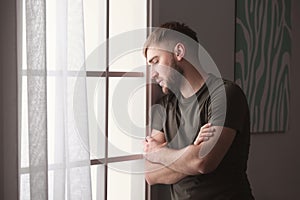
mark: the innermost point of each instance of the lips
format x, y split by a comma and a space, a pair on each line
159, 82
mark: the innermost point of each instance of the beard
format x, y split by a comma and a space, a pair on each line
174, 80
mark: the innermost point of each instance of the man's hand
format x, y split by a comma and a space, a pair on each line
152, 147
206, 131
201, 159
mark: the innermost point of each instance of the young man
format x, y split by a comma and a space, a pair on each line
200, 129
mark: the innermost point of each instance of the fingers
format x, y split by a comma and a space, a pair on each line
149, 139
206, 125
146, 143
207, 130
152, 145
205, 133
200, 139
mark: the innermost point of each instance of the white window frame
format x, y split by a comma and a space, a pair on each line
107, 74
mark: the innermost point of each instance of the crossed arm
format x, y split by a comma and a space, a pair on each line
168, 166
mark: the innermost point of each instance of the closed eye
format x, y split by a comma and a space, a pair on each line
153, 60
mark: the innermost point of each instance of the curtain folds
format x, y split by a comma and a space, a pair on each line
58, 145
37, 101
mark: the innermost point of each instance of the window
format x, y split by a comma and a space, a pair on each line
122, 175
116, 94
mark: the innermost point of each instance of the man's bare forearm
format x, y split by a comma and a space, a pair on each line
159, 174
187, 160
184, 161
196, 159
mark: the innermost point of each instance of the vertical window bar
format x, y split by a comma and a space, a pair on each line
148, 91
106, 101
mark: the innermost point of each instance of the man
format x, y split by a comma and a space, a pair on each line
200, 129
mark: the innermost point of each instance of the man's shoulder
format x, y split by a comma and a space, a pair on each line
230, 87
167, 99
231, 84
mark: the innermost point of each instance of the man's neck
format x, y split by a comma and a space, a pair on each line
193, 80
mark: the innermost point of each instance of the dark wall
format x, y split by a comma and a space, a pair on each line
213, 20
8, 114
1, 111
1, 131
273, 161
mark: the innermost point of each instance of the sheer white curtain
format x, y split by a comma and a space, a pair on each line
55, 160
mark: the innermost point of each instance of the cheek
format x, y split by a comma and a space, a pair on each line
166, 67
162, 70
166, 72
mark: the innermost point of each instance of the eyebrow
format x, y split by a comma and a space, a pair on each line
150, 61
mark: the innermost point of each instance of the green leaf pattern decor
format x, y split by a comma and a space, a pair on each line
262, 61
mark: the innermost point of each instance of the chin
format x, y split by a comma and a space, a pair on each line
165, 90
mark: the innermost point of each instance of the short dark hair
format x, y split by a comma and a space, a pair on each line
166, 32
182, 28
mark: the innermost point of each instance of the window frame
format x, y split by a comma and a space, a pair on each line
107, 74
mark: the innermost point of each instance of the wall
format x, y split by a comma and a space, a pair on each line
213, 22
1, 131
273, 161
8, 114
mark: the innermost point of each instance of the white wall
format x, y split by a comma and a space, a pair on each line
273, 161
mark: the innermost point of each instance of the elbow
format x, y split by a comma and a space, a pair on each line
205, 170
206, 167
149, 180
199, 165
152, 179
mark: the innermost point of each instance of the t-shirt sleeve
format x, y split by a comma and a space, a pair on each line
228, 107
158, 117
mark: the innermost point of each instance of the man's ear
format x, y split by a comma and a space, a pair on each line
179, 51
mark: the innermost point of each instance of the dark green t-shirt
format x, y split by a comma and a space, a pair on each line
222, 103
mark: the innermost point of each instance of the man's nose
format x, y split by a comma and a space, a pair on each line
154, 74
